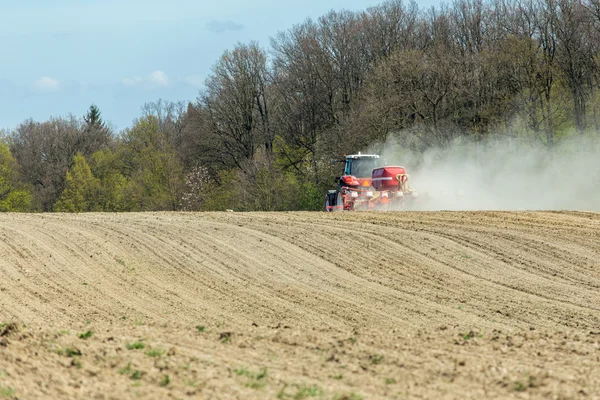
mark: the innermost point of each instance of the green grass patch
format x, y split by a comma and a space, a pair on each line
255, 380
300, 392
86, 335
164, 381
136, 375
470, 335
135, 346
7, 392
125, 370
376, 359
154, 353
69, 352
529, 381
225, 337
200, 328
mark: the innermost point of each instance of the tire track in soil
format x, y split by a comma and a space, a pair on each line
529, 287
447, 299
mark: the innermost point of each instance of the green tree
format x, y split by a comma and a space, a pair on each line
152, 167
45, 150
81, 188
14, 196
106, 166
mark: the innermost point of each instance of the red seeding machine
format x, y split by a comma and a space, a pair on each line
366, 185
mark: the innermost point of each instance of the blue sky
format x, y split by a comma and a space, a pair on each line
60, 56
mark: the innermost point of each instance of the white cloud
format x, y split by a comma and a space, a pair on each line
159, 78
156, 78
195, 80
47, 84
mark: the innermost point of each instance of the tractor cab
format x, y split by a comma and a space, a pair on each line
361, 166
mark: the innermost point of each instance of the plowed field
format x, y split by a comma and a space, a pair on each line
465, 305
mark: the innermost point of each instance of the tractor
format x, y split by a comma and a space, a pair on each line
366, 185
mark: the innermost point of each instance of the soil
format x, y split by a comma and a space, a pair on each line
364, 305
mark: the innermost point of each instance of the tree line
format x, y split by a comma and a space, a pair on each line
262, 130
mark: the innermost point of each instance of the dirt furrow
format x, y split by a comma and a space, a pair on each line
378, 305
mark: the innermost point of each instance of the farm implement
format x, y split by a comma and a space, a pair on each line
365, 185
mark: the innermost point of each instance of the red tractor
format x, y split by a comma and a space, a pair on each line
366, 185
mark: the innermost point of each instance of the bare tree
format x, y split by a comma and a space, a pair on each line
304, 84
45, 151
574, 27
388, 28
236, 105
171, 118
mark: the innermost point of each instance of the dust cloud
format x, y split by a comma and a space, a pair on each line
503, 175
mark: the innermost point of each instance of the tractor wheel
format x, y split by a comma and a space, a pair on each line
339, 202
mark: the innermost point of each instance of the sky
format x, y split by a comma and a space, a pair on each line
61, 56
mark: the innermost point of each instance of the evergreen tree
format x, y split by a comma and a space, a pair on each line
93, 118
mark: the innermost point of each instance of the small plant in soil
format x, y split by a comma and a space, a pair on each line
302, 392
69, 352
7, 392
136, 375
125, 370
225, 337
164, 381
305, 391
376, 359
256, 380
154, 353
86, 335
135, 346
